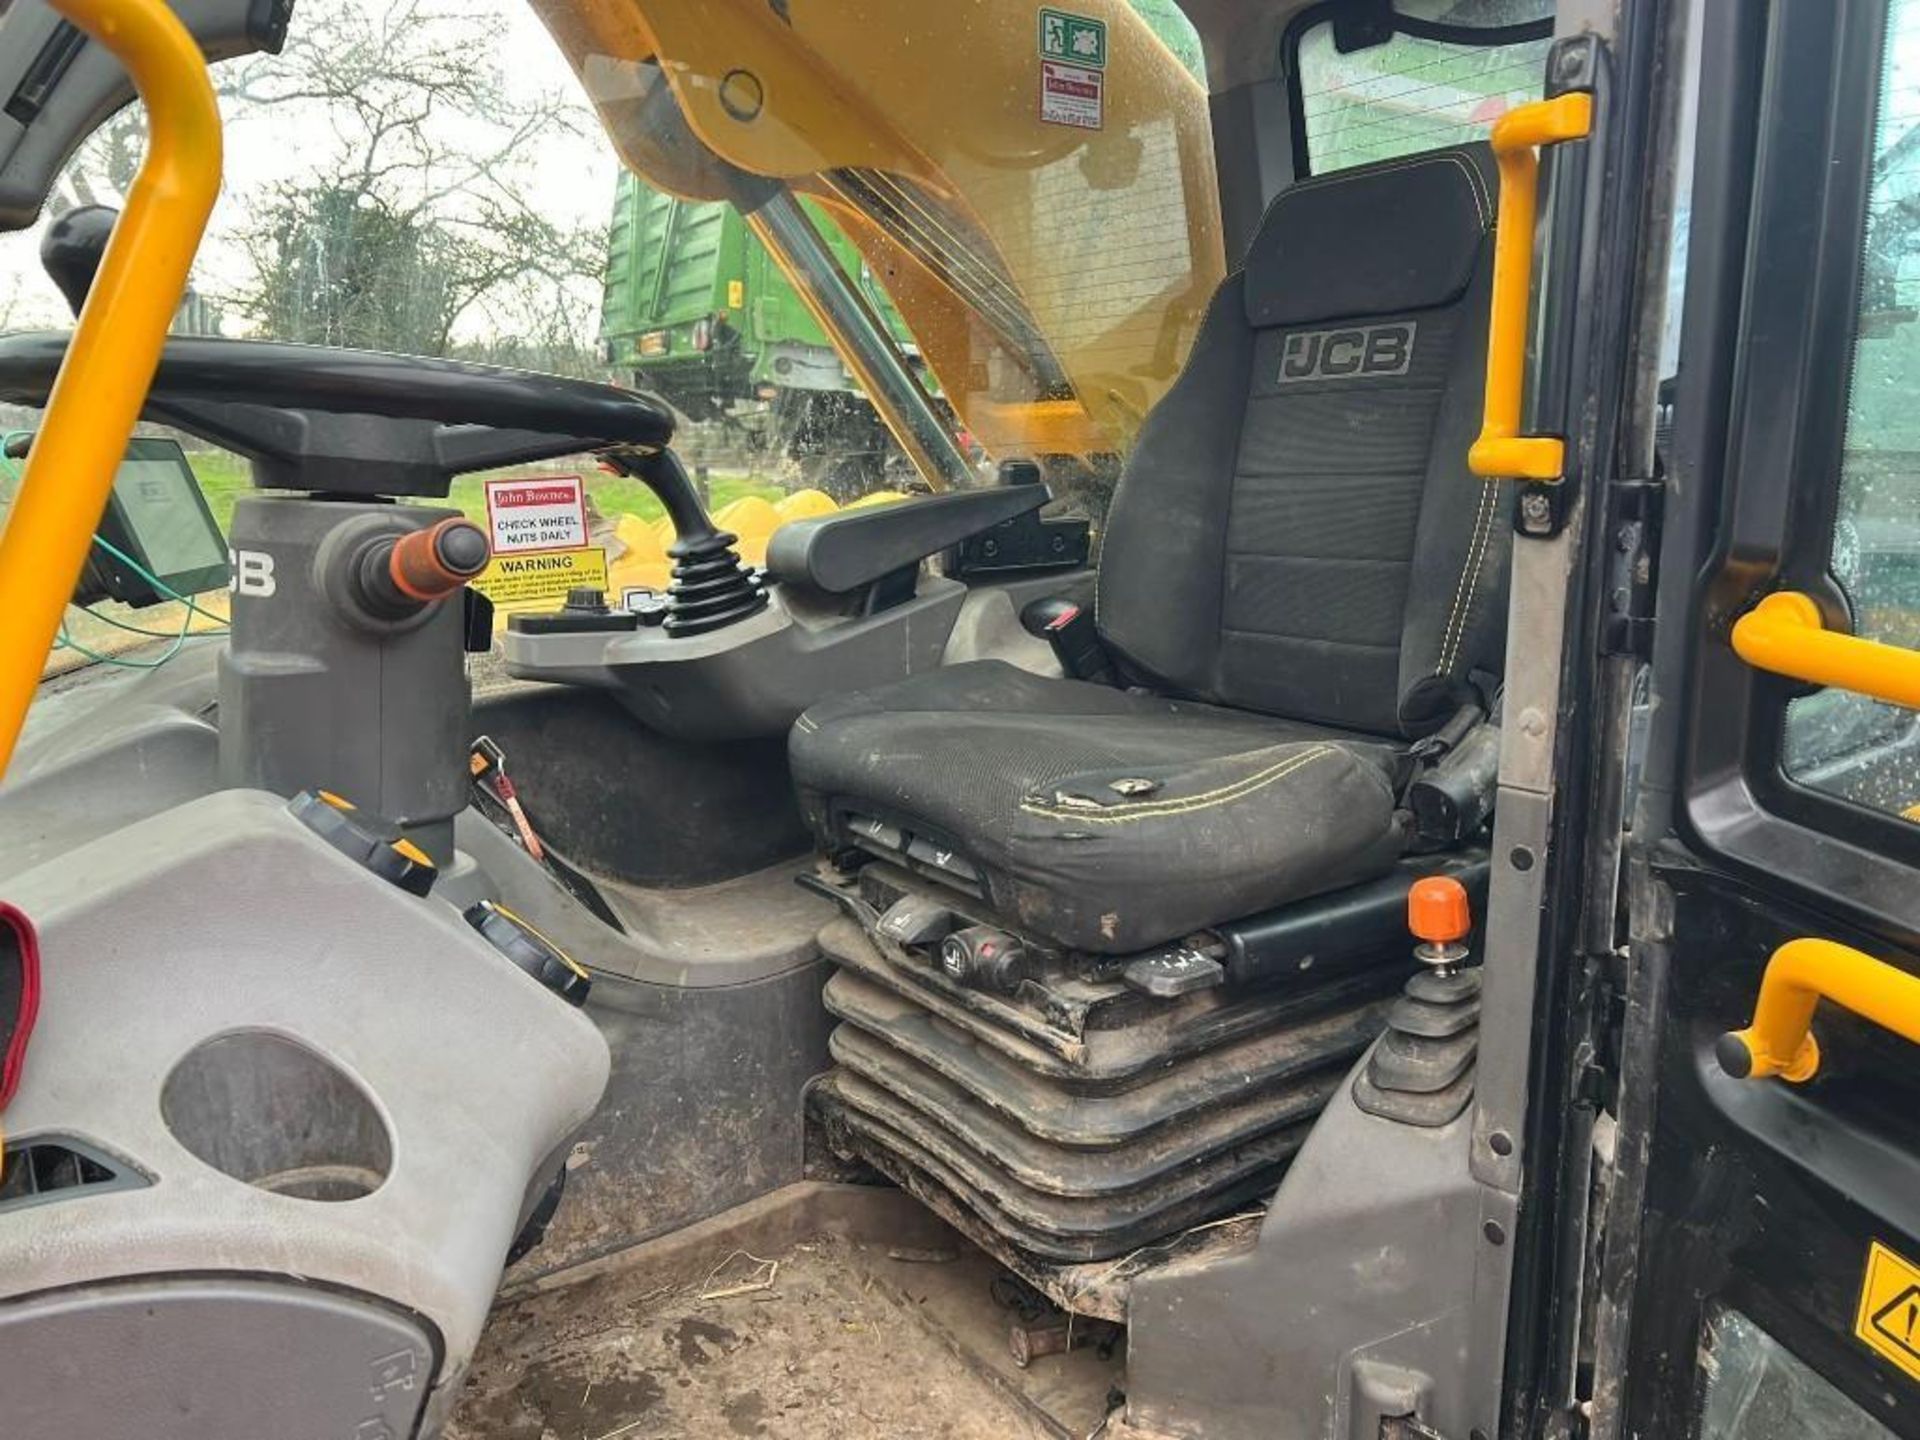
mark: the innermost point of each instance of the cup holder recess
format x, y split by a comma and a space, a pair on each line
277, 1115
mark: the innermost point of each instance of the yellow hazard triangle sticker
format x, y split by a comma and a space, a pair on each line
1888, 1322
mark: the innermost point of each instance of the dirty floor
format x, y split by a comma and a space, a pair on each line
840, 1341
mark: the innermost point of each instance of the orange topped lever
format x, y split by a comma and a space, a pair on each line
1441, 919
1438, 911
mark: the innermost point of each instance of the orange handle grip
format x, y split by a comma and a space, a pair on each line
431, 564
116, 343
1784, 635
1799, 975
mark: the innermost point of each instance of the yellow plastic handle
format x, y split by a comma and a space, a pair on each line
1799, 975
116, 344
1501, 450
1783, 634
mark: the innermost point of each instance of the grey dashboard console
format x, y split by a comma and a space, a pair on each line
326, 1107
755, 676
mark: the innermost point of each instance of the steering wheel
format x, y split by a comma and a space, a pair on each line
363, 423
357, 422
347, 422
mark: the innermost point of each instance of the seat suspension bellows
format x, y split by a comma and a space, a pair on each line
1070, 1116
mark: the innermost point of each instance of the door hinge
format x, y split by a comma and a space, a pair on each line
1633, 548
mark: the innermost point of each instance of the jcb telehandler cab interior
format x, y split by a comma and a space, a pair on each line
1321, 943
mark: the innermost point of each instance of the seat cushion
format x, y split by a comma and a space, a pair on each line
1103, 819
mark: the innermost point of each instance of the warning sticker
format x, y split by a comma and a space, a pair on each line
540, 512
536, 582
1889, 1318
1070, 95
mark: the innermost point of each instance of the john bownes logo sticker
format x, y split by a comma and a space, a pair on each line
1363, 350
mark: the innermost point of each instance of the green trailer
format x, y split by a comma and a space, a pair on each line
696, 310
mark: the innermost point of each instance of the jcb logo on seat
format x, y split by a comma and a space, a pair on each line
1342, 354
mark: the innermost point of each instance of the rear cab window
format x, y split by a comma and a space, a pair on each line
1371, 86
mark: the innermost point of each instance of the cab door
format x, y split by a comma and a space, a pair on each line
1761, 1268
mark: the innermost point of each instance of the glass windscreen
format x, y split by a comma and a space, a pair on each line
1024, 197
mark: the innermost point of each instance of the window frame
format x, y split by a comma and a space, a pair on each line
1811, 506
1806, 549
1774, 272
1469, 36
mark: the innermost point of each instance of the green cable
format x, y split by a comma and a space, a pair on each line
150, 634
67, 642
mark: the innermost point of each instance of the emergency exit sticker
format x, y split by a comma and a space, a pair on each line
1888, 1322
540, 512
1071, 95
1076, 39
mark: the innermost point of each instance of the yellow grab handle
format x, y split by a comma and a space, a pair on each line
1799, 975
116, 344
1501, 450
1784, 634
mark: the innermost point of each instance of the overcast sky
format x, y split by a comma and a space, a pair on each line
574, 180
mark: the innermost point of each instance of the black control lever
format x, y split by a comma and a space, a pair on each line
711, 585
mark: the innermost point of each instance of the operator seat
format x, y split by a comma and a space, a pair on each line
1300, 578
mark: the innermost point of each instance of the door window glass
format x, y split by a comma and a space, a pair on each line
1757, 1389
1845, 744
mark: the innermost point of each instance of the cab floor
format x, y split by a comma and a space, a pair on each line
842, 1337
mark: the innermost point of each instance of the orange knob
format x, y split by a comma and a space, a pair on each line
431, 564
1437, 910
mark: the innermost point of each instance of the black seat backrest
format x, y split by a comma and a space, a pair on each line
1296, 531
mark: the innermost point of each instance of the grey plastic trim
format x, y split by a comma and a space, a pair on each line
753, 678
227, 914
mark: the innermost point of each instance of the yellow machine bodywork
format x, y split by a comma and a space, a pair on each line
1059, 274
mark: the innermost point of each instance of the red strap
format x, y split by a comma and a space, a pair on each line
27, 946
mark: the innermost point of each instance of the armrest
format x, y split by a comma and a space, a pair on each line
843, 552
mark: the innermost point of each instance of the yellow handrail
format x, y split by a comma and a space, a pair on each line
1501, 450
116, 343
1784, 634
1799, 975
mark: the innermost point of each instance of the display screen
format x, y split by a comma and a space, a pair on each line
159, 502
